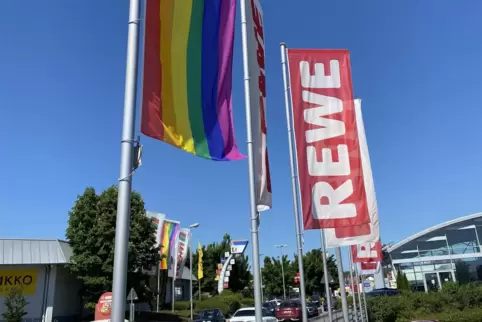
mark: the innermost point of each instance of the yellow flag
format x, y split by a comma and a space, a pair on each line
200, 272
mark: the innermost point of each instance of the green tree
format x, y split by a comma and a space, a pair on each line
14, 305
91, 233
272, 275
240, 278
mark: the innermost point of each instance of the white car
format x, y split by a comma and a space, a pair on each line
247, 315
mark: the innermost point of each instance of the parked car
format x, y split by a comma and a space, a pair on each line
270, 306
312, 308
248, 315
211, 315
289, 310
383, 291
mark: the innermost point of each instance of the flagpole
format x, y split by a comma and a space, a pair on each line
341, 280
293, 184
359, 293
352, 283
325, 275
252, 191
158, 286
125, 180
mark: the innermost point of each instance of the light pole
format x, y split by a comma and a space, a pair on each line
281, 246
196, 225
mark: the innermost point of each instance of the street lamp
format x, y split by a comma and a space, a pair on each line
196, 225
281, 246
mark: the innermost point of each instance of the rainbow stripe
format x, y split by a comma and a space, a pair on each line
188, 57
168, 238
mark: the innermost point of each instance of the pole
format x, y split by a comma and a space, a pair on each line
293, 184
352, 284
344, 303
283, 274
258, 304
125, 181
325, 275
158, 287
359, 294
173, 300
190, 269
261, 282
365, 301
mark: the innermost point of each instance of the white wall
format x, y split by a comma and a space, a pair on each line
35, 306
67, 304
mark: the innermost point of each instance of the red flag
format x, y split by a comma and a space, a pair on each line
327, 147
365, 253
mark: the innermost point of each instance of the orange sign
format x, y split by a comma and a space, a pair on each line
103, 308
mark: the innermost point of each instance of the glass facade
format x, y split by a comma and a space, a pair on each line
446, 253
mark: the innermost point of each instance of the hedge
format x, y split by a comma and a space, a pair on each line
453, 303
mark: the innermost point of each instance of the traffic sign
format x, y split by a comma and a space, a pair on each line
238, 246
132, 295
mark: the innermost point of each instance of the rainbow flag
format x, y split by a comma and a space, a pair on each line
188, 57
168, 240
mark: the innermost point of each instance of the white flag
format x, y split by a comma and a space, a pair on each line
257, 90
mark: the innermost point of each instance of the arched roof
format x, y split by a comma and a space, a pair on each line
432, 229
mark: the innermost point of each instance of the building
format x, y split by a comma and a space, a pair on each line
38, 266
443, 253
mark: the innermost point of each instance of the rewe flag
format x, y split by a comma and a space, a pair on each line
365, 233
257, 90
331, 178
182, 245
367, 253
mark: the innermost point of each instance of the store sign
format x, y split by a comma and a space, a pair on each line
103, 308
22, 279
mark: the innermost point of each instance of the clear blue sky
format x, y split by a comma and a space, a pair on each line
415, 63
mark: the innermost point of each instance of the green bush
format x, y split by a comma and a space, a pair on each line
214, 303
455, 303
182, 305
247, 302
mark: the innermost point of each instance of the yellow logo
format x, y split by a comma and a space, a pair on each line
24, 279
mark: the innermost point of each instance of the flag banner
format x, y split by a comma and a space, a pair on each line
365, 253
170, 229
368, 268
200, 254
181, 252
257, 90
187, 82
327, 147
158, 220
367, 233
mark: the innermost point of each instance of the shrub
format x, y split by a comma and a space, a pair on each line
14, 306
182, 305
247, 302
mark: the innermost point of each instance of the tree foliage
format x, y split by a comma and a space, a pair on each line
313, 269
91, 233
14, 306
240, 278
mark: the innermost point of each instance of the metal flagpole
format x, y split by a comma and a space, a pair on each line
352, 283
325, 275
365, 301
258, 304
173, 297
344, 303
359, 291
158, 287
190, 269
125, 180
299, 241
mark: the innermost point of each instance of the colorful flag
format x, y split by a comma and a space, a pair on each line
187, 84
257, 90
170, 229
352, 235
158, 219
327, 147
200, 254
182, 242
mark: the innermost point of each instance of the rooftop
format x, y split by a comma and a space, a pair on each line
43, 252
